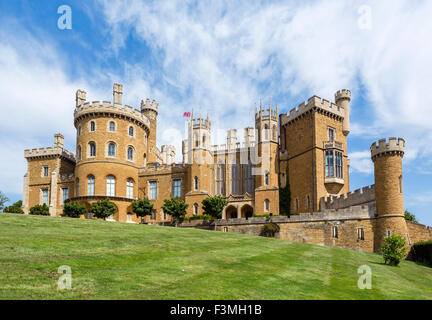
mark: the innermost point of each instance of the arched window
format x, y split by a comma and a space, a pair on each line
92, 126
266, 178
110, 186
129, 188
79, 153
266, 205
77, 187
196, 183
131, 131
90, 185
111, 149
112, 126
195, 208
79, 130
92, 149
130, 153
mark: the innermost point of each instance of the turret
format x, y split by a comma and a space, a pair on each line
80, 97
150, 110
342, 99
387, 159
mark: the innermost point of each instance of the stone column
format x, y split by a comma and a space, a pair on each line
25, 201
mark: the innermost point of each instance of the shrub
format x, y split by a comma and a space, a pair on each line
15, 208
213, 206
394, 249
200, 217
74, 209
142, 208
270, 229
103, 209
176, 209
422, 252
40, 210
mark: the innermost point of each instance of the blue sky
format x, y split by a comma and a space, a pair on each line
221, 57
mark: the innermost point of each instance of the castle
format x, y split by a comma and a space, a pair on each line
306, 149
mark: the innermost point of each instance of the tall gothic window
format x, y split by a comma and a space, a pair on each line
91, 185
220, 185
92, 149
129, 188
130, 153
235, 179
79, 153
177, 188
196, 183
266, 178
249, 181
111, 186
92, 126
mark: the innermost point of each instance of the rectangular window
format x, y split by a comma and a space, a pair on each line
45, 171
339, 166
65, 194
388, 233
153, 190
235, 179
177, 188
329, 164
331, 134
249, 182
164, 216
45, 196
360, 234
334, 232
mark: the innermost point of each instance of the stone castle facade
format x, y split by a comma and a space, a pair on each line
117, 157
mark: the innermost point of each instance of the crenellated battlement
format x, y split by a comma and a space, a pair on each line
149, 106
48, 152
162, 168
357, 197
343, 94
313, 102
265, 114
105, 107
393, 146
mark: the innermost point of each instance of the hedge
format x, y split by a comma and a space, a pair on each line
422, 252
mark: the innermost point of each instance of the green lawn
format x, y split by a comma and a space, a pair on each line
123, 261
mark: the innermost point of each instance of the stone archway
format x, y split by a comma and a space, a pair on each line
246, 211
231, 212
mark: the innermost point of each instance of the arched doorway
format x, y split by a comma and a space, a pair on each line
246, 211
231, 212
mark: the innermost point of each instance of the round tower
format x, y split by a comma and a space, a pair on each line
110, 143
387, 159
150, 110
342, 99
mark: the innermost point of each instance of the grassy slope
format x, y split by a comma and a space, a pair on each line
122, 261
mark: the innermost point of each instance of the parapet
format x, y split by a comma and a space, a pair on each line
314, 102
153, 106
105, 107
363, 196
162, 168
48, 152
342, 94
395, 146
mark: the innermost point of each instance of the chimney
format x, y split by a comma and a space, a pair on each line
117, 94
58, 141
80, 97
248, 136
232, 139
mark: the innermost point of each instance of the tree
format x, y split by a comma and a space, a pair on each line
15, 208
3, 200
40, 210
103, 209
213, 206
176, 209
285, 197
393, 249
142, 208
410, 216
74, 209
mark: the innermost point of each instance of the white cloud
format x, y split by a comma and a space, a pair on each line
360, 161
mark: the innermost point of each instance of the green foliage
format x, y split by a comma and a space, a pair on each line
175, 208
285, 197
410, 216
74, 209
15, 208
213, 206
422, 252
103, 209
40, 210
200, 217
142, 208
270, 229
3, 200
394, 249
